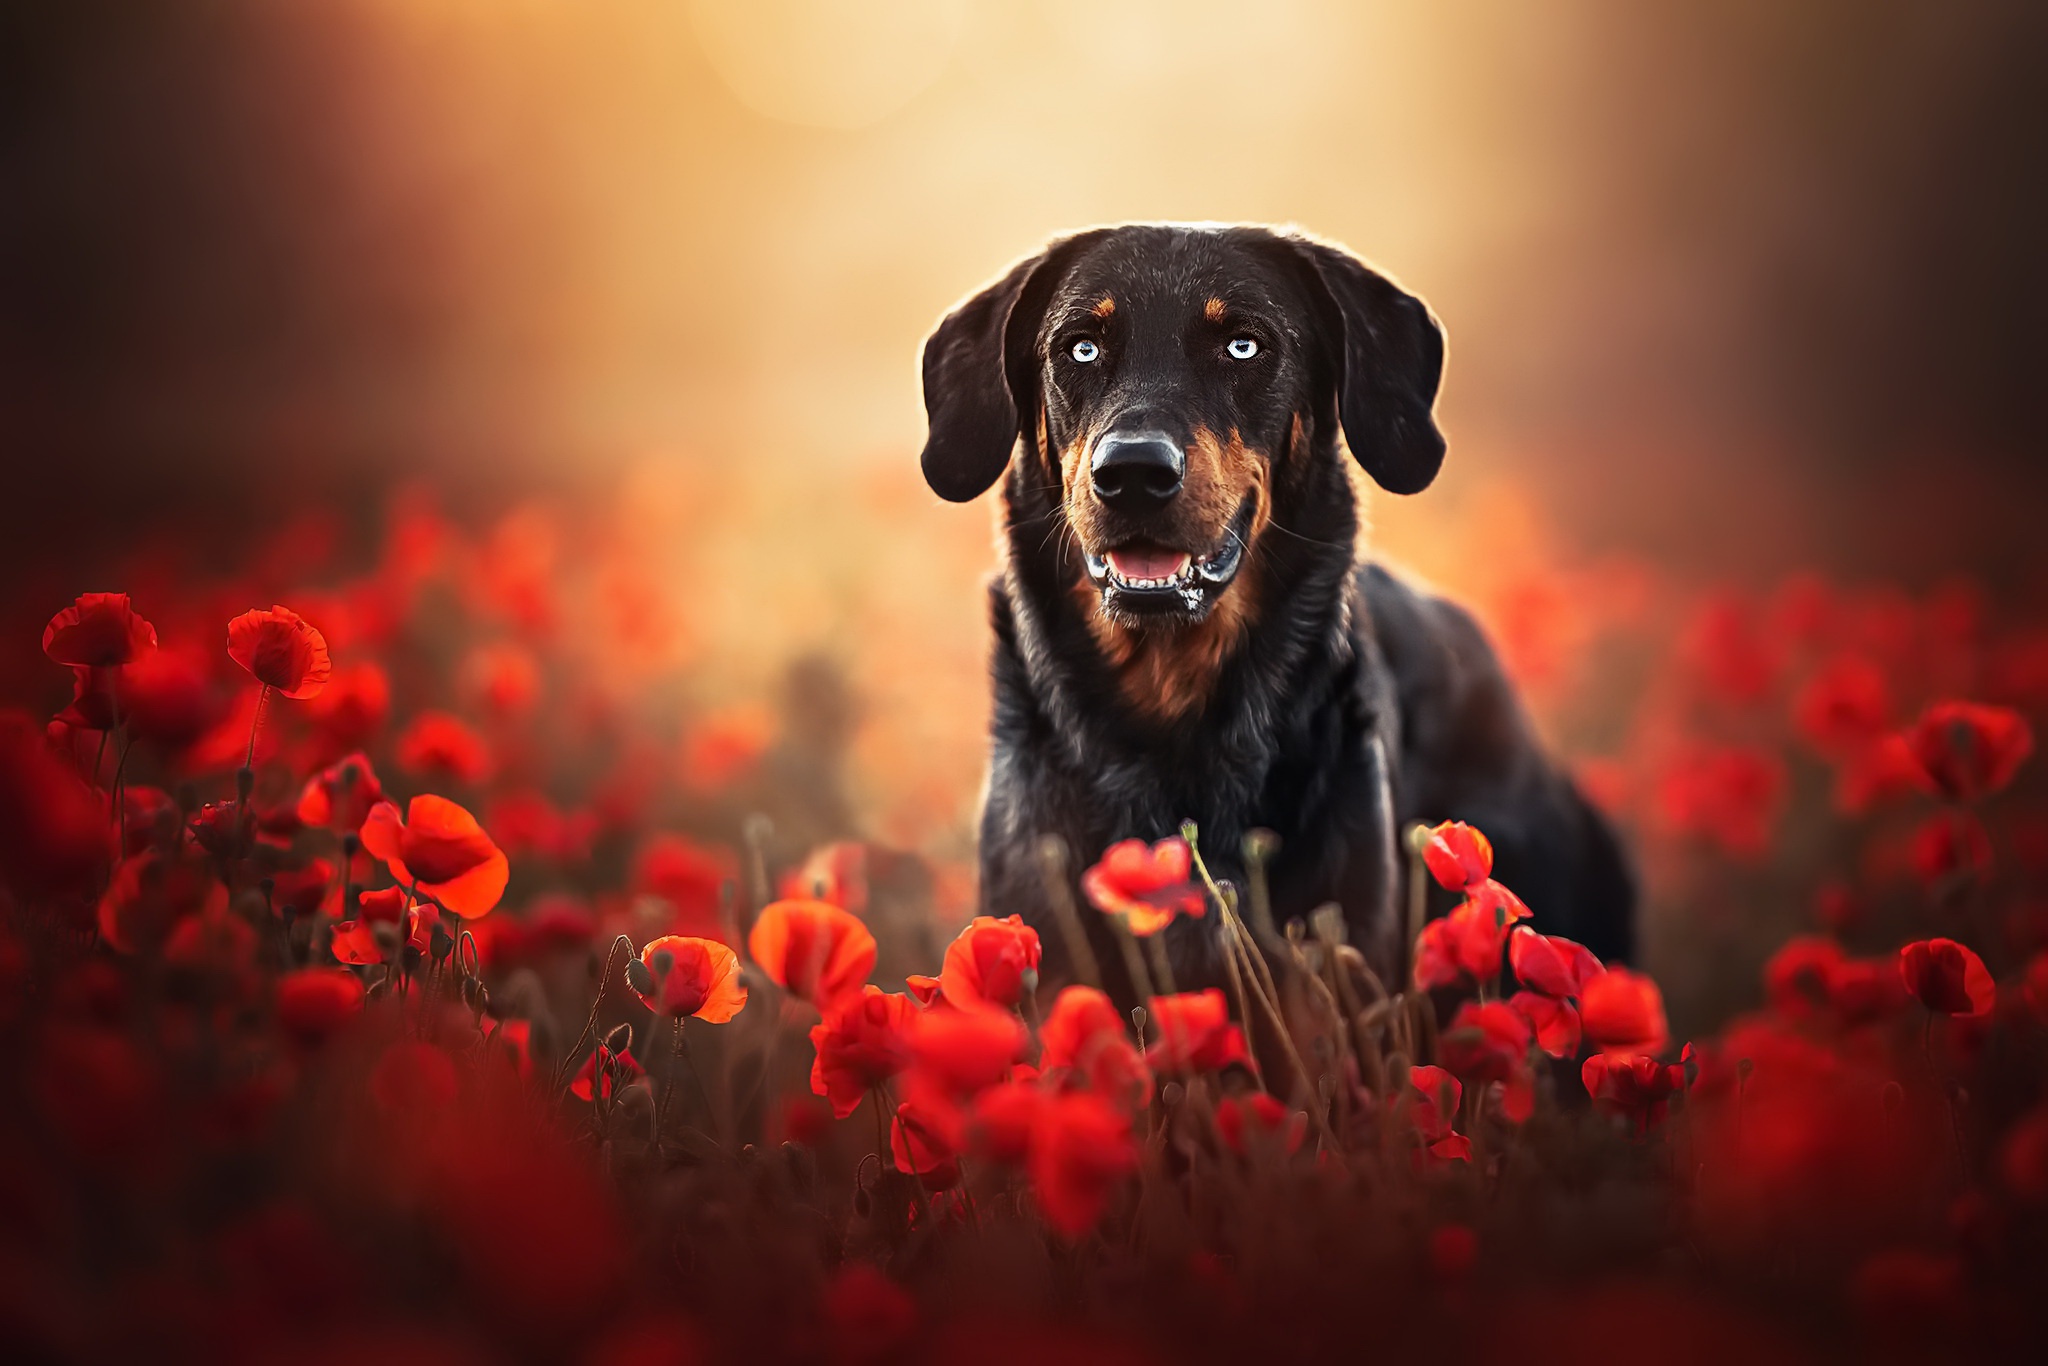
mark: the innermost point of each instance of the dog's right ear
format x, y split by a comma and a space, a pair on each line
980, 374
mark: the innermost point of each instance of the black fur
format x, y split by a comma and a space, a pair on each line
1354, 706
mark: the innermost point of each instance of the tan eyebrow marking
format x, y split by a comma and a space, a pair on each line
1104, 307
1213, 310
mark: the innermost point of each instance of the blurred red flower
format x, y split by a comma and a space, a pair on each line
988, 962
1258, 1121
1554, 966
604, 1072
2023, 1156
1844, 706
98, 631
1970, 750
1466, 944
1882, 771
1489, 1041
961, 1051
1084, 1036
1457, 855
313, 1004
1947, 977
1623, 1012
1453, 1251
53, 832
439, 848
2034, 986
868, 1317
916, 1147
282, 650
1799, 978
341, 796
1949, 848
689, 877
169, 698
1149, 885
1733, 795
863, 1041
1003, 1117
1081, 1151
413, 1077
301, 890
1431, 1105
1554, 1021
816, 951
835, 872
353, 707
682, 976
1639, 1088
1195, 1033
437, 745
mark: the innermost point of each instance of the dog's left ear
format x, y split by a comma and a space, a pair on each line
980, 373
1389, 363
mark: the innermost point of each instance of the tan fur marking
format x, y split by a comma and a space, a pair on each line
1167, 675
1104, 307
1214, 310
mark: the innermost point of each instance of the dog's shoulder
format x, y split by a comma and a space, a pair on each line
1456, 704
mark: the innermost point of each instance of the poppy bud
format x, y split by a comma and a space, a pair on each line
619, 1039
443, 944
639, 977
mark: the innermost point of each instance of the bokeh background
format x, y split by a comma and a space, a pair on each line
1731, 291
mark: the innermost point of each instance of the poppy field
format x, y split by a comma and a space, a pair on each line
399, 961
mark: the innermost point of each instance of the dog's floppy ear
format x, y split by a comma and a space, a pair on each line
979, 374
1390, 359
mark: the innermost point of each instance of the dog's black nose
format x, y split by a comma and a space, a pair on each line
1136, 472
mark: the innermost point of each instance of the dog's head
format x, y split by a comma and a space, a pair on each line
1164, 376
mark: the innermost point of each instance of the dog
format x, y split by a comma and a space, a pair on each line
1183, 630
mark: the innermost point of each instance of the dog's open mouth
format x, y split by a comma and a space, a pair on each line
1144, 579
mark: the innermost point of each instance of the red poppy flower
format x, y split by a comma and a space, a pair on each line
302, 890
1732, 795
1259, 1121
681, 976
924, 990
988, 961
169, 698
916, 1147
1457, 855
1147, 885
864, 1041
1949, 848
1081, 1151
504, 677
148, 895
282, 650
1195, 1033
869, 1318
959, 1052
353, 707
1640, 1088
689, 877
53, 830
1466, 944
340, 796
835, 872
1554, 1021
1432, 1106
1799, 978
437, 745
1844, 706
1623, 1012
1882, 771
99, 631
1865, 990
2035, 986
439, 848
813, 949
214, 940
1553, 966
315, 1003
1970, 750
1085, 1038
604, 1073
1003, 1117
1947, 977
357, 943
1487, 1041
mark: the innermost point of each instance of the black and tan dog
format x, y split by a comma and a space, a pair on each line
1182, 628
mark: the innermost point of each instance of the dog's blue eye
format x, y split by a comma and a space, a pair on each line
1242, 348
1086, 351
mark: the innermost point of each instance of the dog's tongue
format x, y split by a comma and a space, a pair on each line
1146, 562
